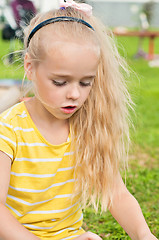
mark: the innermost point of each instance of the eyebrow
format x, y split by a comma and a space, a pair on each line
69, 76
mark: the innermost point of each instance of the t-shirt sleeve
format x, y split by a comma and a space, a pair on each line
7, 139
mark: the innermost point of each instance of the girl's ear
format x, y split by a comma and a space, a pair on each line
28, 66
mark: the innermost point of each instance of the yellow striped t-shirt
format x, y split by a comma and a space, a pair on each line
42, 178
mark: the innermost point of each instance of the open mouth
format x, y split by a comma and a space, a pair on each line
69, 109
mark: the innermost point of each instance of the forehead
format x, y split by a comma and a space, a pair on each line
65, 45
74, 58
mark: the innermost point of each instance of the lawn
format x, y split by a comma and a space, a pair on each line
143, 174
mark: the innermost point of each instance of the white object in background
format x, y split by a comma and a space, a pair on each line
144, 22
2, 3
36, 3
154, 63
8, 14
134, 8
47, 5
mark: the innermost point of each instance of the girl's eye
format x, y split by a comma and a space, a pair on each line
85, 84
59, 83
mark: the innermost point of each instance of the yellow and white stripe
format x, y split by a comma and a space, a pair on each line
42, 178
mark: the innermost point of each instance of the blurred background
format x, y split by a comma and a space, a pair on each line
135, 25
125, 12
112, 12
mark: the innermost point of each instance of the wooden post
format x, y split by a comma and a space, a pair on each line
151, 48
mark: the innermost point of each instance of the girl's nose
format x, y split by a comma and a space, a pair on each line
73, 92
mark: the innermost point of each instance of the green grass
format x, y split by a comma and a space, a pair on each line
143, 183
14, 71
143, 175
145, 93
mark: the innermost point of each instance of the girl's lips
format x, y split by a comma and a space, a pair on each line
68, 109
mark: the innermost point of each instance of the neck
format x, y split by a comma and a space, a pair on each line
55, 131
39, 113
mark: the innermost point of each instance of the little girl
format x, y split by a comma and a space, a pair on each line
63, 148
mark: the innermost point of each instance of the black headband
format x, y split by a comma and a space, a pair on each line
56, 19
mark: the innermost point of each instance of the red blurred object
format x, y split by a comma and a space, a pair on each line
142, 34
23, 11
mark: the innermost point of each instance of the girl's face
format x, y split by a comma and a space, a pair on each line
64, 78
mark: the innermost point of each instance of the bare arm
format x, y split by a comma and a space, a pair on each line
10, 228
127, 212
88, 236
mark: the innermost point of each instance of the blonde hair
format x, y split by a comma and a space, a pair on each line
100, 128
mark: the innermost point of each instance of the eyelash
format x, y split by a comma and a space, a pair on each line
60, 84
87, 84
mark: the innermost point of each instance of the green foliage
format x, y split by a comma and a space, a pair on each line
143, 176
149, 9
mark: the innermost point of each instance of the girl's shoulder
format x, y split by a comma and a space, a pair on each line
17, 110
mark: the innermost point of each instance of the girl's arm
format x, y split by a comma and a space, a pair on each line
88, 236
126, 210
10, 228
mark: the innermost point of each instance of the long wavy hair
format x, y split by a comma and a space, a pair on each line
100, 128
